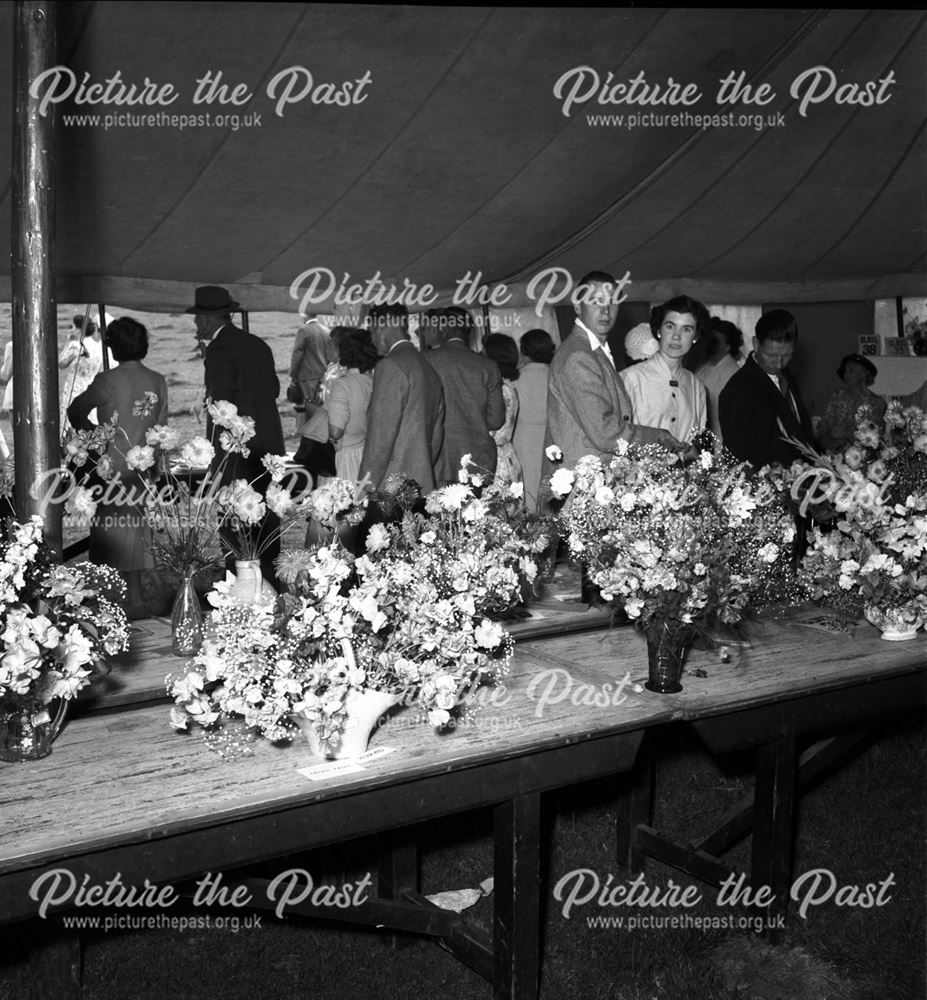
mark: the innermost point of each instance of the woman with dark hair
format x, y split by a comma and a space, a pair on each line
501, 349
348, 400
119, 532
663, 393
724, 358
528, 439
837, 428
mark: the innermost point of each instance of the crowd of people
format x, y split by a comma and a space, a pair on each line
370, 404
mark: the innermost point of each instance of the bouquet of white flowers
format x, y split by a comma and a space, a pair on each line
415, 612
59, 623
868, 547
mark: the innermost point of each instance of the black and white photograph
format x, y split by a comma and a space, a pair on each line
463, 502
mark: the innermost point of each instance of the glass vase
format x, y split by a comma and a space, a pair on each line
667, 643
186, 620
28, 728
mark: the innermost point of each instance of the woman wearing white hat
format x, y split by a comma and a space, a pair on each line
640, 343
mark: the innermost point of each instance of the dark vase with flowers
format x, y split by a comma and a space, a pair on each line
667, 645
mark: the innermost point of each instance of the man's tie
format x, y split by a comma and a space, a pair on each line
783, 385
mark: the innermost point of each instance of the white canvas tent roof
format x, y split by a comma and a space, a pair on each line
460, 157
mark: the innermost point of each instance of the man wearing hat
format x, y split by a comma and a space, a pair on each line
240, 369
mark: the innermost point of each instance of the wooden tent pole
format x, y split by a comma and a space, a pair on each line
35, 326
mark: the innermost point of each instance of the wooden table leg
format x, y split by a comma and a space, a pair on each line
516, 898
398, 872
635, 806
773, 827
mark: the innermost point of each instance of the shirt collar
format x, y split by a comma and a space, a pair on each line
594, 342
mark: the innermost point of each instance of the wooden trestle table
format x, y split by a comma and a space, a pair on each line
124, 794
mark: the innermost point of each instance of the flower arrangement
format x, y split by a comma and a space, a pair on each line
58, 620
186, 509
683, 546
415, 608
868, 547
535, 535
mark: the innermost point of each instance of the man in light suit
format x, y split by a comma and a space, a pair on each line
240, 368
473, 403
588, 409
405, 419
761, 401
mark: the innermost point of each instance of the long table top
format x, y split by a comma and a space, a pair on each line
125, 777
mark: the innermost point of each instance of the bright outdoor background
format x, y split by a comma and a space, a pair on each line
172, 352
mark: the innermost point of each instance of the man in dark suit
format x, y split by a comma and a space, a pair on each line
240, 369
473, 403
405, 420
761, 402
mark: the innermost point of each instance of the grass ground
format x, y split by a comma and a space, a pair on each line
863, 823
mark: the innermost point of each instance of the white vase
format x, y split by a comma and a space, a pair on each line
250, 587
363, 710
895, 624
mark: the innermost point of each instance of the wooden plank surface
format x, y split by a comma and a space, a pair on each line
115, 777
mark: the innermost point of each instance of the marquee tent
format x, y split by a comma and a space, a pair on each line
423, 143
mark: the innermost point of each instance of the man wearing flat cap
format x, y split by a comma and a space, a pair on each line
240, 369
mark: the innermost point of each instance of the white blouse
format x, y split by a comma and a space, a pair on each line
676, 403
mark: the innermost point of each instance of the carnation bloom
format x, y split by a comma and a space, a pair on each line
279, 500
141, 457
275, 465
453, 496
561, 482
162, 436
378, 538
81, 504
222, 412
197, 453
